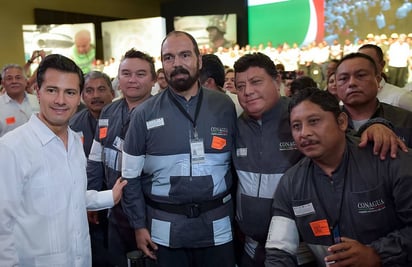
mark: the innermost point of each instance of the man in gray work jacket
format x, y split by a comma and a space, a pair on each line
349, 206
177, 158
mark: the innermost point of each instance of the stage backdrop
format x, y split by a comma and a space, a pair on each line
145, 35
53, 38
279, 21
197, 26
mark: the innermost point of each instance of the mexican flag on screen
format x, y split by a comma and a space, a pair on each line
278, 21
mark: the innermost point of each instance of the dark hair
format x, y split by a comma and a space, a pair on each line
12, 66
161, 70
61, 63
359, 55
333, 73
132, 53
301, 83
175, 33
334, 61
377, 49
212, 67
325, 100
98, 75
229, 70
256, 60
280, 67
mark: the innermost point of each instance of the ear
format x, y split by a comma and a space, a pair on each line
200, 62
210, 82
343, 121
379, 78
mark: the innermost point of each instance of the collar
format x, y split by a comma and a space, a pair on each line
377, 112
279, 110
43, 132
8, 99
182, 99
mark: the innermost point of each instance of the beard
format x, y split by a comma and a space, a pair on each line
182, 84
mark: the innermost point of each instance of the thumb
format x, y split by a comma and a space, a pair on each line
363, 140
123, 183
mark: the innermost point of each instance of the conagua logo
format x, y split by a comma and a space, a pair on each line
371, 206
218, 131
288, 145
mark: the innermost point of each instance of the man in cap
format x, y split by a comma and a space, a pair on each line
217, 30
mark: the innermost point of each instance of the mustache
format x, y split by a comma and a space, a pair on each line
179, 70
97, 101
308, 143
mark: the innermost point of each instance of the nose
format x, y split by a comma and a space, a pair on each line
95, 94
177, 61
351, 80
248, 90
133, 77
305, 130
59, 99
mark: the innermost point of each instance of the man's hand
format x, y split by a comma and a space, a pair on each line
118, 189
145, 243
93, 217
352, 253
384, 139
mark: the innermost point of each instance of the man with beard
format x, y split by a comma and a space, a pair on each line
137, 76
97, 93
177, 157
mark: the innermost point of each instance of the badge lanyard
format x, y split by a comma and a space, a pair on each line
196, 144
335, 226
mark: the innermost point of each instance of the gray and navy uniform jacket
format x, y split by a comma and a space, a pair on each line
182, 203
104, 162
366, 199
400, 118
84, 124
265, 149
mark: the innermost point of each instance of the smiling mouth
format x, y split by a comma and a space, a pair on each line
59, 110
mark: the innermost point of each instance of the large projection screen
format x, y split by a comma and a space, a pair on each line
145, 35
305, 21
53, 38
291, 21
197, 26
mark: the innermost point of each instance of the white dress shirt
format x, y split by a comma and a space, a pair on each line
43, 199
14, 114
394, 95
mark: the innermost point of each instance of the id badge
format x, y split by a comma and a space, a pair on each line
197, 150
118, 143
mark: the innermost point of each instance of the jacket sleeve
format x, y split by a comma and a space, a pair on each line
395, 249
95, 168
283, 237
95, 164
133, 158
276, 257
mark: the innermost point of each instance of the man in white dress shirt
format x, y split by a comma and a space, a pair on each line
43, 197
16, 106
